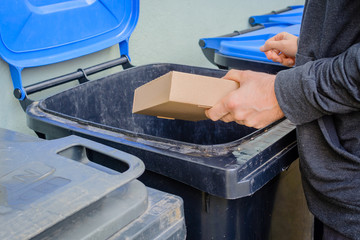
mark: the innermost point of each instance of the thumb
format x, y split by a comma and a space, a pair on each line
235, 75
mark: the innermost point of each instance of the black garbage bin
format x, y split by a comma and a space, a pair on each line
226, 173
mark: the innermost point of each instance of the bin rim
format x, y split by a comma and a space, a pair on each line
198, 149
237, 173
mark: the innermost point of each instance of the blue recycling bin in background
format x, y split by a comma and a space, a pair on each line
288, 16
240, 50
227, 174
58, 190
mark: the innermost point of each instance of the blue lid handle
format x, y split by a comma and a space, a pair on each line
19, 91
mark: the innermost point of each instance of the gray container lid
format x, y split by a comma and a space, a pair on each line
43, 183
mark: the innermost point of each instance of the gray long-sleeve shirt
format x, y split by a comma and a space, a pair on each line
321, 95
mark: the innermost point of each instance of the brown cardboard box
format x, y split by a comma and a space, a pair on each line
178, 95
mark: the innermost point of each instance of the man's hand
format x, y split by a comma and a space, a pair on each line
253, 104
281, 48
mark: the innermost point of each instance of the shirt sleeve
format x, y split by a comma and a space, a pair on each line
321, 87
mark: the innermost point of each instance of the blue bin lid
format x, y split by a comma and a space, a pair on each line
290, 17
247, 46
40, 32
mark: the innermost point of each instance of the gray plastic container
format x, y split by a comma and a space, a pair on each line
56, 190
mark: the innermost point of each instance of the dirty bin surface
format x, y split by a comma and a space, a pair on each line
223, 161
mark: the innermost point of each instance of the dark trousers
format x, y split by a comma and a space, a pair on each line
323, 232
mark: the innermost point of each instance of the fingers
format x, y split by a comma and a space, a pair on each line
279, 57
254, 104
289, 62
283, 42
276, 38
276, 42
273, 55
286, 61
227, 118
221, 109
217, 112
271, 44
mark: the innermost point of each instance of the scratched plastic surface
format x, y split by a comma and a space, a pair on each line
226, 153
199, 159
43, 183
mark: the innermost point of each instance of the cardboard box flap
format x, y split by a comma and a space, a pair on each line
152, 93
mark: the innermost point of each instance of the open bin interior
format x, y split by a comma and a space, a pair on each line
107, 103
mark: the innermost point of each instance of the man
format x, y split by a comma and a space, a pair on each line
321, 95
